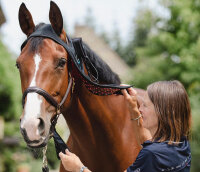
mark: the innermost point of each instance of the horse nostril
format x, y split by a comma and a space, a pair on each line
41, 126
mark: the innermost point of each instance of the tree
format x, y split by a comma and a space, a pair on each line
141, 27
176, 44
89, 18
10, 92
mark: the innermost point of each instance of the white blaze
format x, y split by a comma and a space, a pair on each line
33, 102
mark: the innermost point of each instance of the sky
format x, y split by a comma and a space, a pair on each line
108, 15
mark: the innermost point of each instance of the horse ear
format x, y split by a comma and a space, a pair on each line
25, 20
56, 18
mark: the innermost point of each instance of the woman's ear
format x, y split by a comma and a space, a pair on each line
56, 18
25, 20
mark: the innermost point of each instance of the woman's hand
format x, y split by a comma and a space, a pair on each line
70, 161
131, 99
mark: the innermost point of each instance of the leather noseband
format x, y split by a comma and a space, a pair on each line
48, 97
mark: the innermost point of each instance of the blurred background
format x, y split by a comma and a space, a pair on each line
142, 40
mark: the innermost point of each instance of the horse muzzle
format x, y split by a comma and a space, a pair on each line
34, 132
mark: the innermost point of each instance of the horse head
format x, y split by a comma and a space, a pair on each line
42, 64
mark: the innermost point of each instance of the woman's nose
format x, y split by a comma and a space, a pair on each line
140, 109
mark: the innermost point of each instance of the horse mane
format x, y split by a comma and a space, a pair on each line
103, 71
96, 66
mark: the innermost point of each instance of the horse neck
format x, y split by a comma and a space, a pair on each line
100, 128
95, 116
89, 112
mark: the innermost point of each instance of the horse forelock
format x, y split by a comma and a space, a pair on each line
36, 42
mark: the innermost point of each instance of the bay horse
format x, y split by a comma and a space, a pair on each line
101, 132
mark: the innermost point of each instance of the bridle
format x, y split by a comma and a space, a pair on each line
76, 58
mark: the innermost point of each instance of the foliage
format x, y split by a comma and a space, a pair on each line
16, 155
143, 25
9, 86
138, 36
195, 143
175, 46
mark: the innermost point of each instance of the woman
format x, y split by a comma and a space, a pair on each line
163, 121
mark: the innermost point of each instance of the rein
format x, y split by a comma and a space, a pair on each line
77, 57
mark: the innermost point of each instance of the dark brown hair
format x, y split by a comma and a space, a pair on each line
172, 106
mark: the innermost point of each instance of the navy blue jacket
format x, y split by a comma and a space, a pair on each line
160, 156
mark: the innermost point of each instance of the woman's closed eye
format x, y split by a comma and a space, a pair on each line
144, 104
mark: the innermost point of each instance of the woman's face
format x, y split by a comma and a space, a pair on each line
150, 119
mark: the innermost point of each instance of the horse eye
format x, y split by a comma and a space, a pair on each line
62, 62
17, 65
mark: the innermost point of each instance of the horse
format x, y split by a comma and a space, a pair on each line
101, 132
